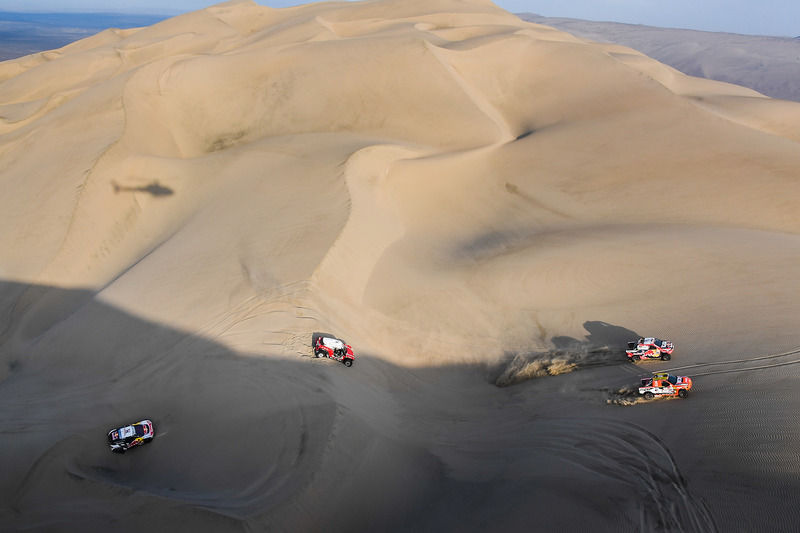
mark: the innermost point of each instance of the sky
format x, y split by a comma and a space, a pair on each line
752, 17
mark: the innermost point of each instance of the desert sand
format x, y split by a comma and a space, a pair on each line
486, 209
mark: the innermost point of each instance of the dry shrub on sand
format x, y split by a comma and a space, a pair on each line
523, 367
624, 396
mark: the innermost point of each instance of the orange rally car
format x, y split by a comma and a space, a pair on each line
663, 384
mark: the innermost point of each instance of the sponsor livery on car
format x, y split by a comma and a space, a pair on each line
650, 348
129, 436
335, 349
663, 384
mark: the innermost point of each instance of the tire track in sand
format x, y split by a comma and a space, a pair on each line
627, 463
630, 454
769, 357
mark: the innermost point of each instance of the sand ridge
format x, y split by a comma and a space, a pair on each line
485, 208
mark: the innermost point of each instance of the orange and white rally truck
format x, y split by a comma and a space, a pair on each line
663, 384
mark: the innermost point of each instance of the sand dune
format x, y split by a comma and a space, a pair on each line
487, 209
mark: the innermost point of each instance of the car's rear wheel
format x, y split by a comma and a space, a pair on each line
683, 393
319, 354
635, 358
665, 357
348, 362
648, 395
118, 450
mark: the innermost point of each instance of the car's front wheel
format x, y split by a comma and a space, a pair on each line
665, 357
683, 393
635, 358
320, 354
648, 395
348, 362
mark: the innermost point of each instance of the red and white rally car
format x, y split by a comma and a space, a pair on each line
129, 436
335, 349
663, 384
650, 348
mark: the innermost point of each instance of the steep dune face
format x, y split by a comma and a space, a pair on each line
440, 183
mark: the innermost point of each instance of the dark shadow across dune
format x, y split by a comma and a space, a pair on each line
293, 443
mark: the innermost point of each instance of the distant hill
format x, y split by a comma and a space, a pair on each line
769, 65
27, 33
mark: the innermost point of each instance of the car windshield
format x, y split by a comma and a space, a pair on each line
139, 429
672, 379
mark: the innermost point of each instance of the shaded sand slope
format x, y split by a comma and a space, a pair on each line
295, 444
469, 199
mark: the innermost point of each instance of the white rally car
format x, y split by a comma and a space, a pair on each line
650, 348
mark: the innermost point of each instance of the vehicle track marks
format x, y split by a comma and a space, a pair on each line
769, 357
630, 454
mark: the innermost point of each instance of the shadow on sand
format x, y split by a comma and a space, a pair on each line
154, 189
270, 442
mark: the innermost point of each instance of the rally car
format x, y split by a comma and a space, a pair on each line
663, 384
650, 348
335, 349
121, 439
